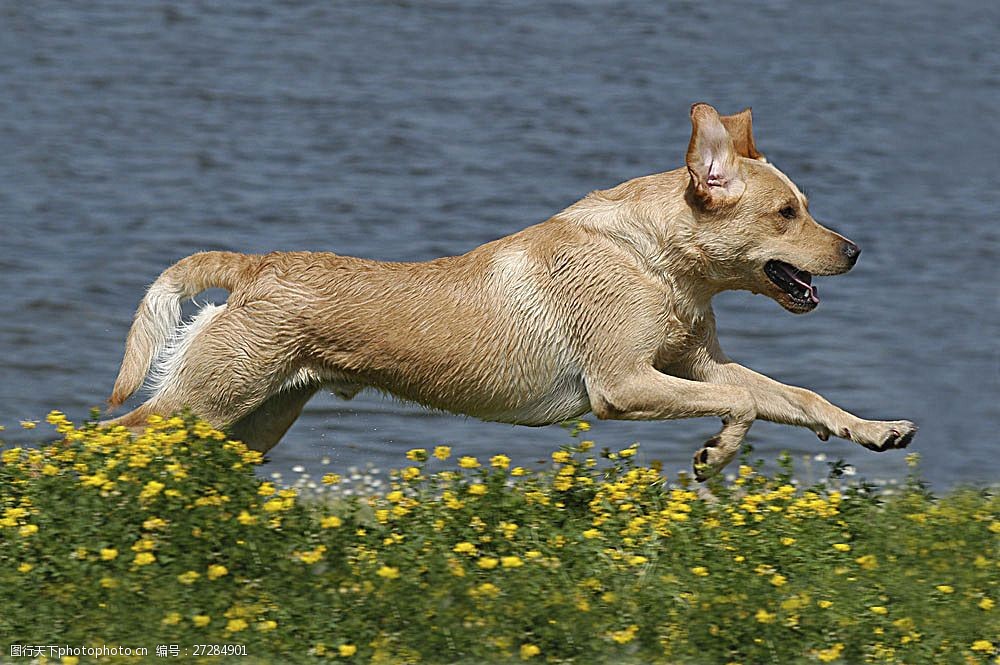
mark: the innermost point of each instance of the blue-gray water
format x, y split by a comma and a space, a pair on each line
135, 133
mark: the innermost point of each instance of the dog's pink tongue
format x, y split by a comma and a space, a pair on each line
813, 293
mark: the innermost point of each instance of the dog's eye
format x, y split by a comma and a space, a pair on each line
788, 212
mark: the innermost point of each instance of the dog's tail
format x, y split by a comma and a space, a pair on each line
159, 313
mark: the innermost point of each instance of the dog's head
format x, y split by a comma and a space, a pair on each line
752, 225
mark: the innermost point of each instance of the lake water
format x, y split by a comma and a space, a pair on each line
133, 134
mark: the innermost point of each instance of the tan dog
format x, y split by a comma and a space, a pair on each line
605, 307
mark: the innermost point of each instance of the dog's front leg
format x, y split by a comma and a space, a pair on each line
791, 405
648, 394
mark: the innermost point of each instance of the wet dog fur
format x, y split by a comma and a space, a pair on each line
603, 308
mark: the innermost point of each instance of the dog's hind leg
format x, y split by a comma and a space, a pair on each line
263, 427
223, 368
134, 420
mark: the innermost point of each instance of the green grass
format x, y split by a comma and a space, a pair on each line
171, 538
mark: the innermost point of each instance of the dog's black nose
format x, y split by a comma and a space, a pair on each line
851, 251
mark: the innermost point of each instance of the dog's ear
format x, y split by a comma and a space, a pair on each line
740, 128
712, 159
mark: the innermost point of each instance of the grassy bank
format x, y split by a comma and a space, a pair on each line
171, 539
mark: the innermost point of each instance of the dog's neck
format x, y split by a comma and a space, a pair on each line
651, 219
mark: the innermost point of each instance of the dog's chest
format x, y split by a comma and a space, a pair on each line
682, 331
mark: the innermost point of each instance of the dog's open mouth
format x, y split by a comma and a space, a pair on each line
795, 283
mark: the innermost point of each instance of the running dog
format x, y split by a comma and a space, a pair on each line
605, 307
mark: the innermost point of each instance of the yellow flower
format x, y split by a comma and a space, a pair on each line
700, 571
868, 561
266, 489
487, 589
778, 580
143, 545
529, 651
487, 563
25, 568
745, 471
70, 660
215, 571
109, 553
986, 604
499, 461
171, 619
628, 452
417, 455
442, 452
982, 645
331, 479
388, 572
28, 529
842, 547
468, 462
477, 489
312, 556
347, 650
763, 616
188, 578
144, 558
464, 548
637, 560
29, 424
331, 522
830, 654
944, 588
201, 620
591, 533
511, 561
562, 457
518, 471
824, 603
108, 583
154, 523
625, 635
274, 505
879, 609
245, 518
151, 489
56, 418
236, 625
787, 541
269, 624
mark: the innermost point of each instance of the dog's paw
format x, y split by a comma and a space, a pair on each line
702, 468
884, 436
712, 457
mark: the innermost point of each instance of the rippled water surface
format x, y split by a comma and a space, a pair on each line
133, 134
